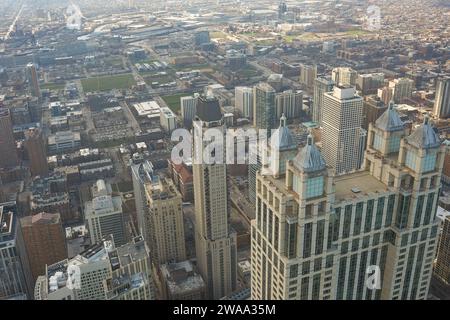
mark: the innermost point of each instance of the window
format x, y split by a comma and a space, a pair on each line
314, 187
410, 160
429, 162
394, 144
377, 142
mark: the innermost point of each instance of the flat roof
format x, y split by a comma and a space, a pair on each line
361, 182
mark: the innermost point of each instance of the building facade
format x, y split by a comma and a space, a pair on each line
104, 215
164, 221
8, 153
15, 274
365, 235
341, 137
244, 101
215, 241
321, 86
44, 239
37, 152
442, 99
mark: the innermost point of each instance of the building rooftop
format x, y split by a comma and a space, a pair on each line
181, 277
390, 120
424, 136
40, 218
309, 159
357, 184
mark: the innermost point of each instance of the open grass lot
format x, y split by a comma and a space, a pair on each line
122, 81
53, 86
173, 101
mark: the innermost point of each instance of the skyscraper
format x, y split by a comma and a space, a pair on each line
344, 76
308, 75
33, 80
188, 109
102, 272
104, 215
264, 107
165, 221
16, 281
401, 89
8, 154
365, 235
442, 99
289, 103
244, 101
342, 119
44, 239
215, 241
321, 86
37, 152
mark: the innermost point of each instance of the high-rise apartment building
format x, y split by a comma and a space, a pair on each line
8, 153
344, 76
164, 221
16, 282
289, 103
102, 272
385, 94
188, 109
104, 215
215, 241
44, 239
365, 235
33, 79
264, 107
244, 101
442, 99
369, 83
321, 86
308, 75
342, 119
401, 89
36, 147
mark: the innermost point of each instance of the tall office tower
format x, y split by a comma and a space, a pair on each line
36, 148
442, 100
215, 241
264, 107
344, 76
401, 89
386, 94
15, 274
8, 153
188, 109
45, 241
102, 272
342, 119
33, 80
369, 83
365, 235
165, 221
308, 75
441, 272
244, 101
321, 86
289, 103
373, 108
142, 174
104, 215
